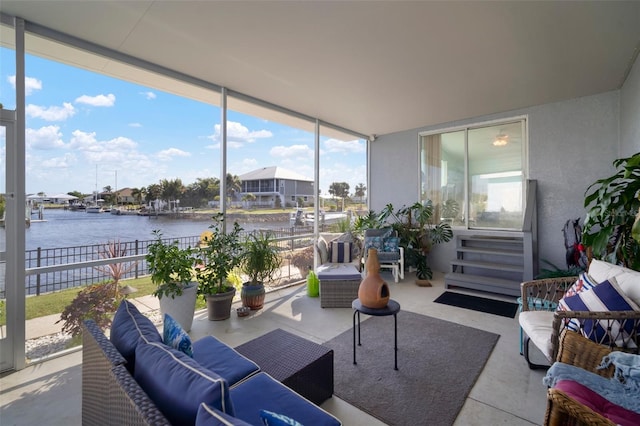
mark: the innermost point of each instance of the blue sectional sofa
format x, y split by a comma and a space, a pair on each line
134, 378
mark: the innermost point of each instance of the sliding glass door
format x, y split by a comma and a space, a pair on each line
475, 176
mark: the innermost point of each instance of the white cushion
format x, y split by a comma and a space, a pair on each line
538, 325
628, 280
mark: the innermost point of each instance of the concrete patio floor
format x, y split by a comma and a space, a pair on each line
507, 392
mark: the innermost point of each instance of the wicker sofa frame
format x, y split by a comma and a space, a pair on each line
110, 396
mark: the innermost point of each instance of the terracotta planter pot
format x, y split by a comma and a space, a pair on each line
252, 296
219, 305
423, 283
373, 291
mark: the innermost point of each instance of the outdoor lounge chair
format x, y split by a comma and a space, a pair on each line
390, 254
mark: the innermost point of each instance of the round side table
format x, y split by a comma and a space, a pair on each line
392, 308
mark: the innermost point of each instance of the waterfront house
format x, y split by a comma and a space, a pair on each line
273, 186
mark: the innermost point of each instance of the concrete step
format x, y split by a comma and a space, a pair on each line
487, 265
483, 283
492, 251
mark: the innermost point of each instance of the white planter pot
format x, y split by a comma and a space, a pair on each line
181, 308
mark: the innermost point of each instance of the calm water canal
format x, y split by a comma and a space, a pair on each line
64, 228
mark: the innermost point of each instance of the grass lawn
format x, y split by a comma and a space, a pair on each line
54, 303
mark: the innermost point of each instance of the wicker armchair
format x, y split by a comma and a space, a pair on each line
543, 295
586, 354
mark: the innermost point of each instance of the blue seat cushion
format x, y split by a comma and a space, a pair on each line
263, 392
218, 357
388, 256
129, 326
209, 416
177, 384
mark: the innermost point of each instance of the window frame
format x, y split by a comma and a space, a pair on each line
523, 119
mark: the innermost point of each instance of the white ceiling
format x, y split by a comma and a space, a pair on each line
373, 67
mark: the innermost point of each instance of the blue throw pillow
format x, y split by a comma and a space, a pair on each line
174, 335
209, 416
128, 328
270, 418
373, 242
391, 244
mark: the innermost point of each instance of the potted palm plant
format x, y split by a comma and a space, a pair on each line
418, 234
171, 269
220, 254
260, 262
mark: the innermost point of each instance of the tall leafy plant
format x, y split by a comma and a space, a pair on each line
260, 260
416, 228
171, 267
418, 233
611, 220
221, 253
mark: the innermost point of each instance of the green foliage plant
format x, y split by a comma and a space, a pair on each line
417, 230
97, 302
220, 253
260, 260
611, 205
171, 267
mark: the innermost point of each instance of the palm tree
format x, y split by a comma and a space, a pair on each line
108, 190
171, 190
136, 193
154, 191
234, 184
360, 191
339, 190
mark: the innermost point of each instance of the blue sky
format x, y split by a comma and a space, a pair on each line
77, 120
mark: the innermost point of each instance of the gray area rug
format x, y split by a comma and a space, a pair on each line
438, 364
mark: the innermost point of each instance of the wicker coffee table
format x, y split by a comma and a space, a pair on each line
300, 364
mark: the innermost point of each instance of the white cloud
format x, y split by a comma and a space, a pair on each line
168, 154
48, 137
53, 113
99, 100
66, 161
293, 151
135, 125
239, 134
30, 84
117, 152
335, 145
148, 95
249, 162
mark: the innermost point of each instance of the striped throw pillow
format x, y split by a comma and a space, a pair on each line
340, 252
606, 296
